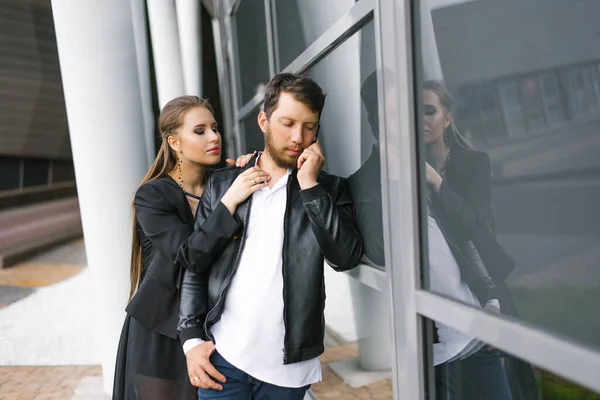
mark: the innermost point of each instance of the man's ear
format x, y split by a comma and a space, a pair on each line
263, 121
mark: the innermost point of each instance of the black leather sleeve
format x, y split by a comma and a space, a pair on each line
333, 221
468, 212
193, 306
195, 249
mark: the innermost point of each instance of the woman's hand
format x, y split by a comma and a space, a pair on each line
241, 161
244, 186
434, 180
200, 369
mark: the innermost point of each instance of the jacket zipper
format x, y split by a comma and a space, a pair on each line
283, 264
237, 262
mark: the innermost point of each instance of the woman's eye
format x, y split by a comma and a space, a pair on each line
430, 110
288, 124
199, 132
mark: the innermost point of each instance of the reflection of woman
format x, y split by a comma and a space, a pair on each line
459, 179
150, 360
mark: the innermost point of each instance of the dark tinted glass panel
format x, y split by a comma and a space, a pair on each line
35, 172
254, 136
63, 171
10, 168
252, 51
511, 159
465, 368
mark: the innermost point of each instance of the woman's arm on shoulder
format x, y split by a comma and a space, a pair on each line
192, 249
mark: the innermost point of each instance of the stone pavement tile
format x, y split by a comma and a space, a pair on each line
37, 274
43, 383
332, 387
10, 294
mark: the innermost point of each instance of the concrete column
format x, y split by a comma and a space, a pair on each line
138, 10
96, 48
190, 39
166, 48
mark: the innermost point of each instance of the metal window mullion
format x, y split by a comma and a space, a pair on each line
556, 355
275, 36
50, 171
226, 103
233, 6
21, 173
235, 79
393, 24
270, 37
250, 106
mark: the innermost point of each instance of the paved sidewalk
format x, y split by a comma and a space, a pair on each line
43, 383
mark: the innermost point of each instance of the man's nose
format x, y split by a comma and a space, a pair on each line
297, 134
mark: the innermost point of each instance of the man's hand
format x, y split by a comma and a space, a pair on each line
200, 369
310, 163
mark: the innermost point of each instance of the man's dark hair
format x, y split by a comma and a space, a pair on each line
303, 88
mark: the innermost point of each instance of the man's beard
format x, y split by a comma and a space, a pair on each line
279, 156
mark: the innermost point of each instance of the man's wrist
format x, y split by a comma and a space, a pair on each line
307, 183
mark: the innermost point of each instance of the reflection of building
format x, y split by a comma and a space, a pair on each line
505, 92
35, 150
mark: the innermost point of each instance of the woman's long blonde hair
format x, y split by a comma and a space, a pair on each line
169, 121
451, 134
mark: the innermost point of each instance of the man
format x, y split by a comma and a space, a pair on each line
255, 321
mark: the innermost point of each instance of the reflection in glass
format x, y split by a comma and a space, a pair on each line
349, 138
541, 177
252, 51
474, 377
300, 22
254, 137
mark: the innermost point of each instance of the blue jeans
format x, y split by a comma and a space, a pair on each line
478, 377
241, 386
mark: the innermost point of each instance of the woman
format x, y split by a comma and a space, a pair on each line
150, 360
459, 181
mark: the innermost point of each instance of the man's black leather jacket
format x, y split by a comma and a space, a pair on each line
319, 225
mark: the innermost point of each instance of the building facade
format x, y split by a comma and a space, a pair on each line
525, 79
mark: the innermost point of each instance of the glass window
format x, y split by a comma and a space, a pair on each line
11, 169
513, 110
252, 51
358, 314
491, 113
35, 172
480, 371
62, 171
552, 98
255, 139
511, 222
300, 22
533, 106
468, 114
